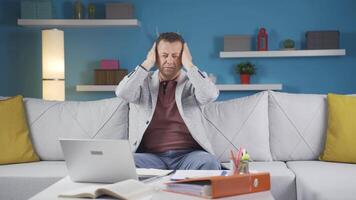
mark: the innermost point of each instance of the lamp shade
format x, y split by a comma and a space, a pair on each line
53, 90
53, 65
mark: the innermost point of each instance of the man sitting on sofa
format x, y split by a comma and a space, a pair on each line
165, 102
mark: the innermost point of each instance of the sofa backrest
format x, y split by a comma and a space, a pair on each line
270, 125
297, 125
50, 120
242, 122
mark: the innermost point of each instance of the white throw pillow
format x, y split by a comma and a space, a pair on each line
297, 125
50, 120
243, 122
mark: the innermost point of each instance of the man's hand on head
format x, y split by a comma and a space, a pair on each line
150, 58
186, 57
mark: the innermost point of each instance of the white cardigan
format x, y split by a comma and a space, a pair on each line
193, 90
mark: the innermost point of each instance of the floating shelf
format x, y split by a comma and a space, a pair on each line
77, 23
96, 88
247, 87
222, 87
282, 53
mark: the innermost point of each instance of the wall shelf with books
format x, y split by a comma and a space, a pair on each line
282, 53
221, 87
78, 23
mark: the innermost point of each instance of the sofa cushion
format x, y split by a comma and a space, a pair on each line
15, 142
51, 120
297, 124
320, 180
340, 145
22, 181
242, 122
282, 178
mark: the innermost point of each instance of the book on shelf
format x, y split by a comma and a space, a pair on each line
128, 189
222, 186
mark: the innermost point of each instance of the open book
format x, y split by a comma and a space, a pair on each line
128, 189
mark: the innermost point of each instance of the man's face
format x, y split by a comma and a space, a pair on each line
169, 60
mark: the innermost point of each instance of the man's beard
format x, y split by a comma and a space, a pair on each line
170, 75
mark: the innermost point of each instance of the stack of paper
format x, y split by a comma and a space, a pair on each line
184, 174
147, 173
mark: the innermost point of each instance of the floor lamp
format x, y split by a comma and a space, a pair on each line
53, 81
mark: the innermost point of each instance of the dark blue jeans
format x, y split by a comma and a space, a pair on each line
178, 159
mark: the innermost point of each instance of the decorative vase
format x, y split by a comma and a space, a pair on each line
91, 11
245, 78
262, 40
78, 10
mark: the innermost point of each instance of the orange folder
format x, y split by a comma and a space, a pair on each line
222, 186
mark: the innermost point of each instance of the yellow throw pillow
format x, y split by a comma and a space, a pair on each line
15, 143
340, 145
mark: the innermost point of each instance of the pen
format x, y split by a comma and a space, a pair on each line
238, 158
232, 157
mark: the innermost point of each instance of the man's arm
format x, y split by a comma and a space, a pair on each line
130, 87
204, 89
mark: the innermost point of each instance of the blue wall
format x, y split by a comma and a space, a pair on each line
203, 23
8, 48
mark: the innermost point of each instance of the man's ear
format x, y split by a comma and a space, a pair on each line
157, 57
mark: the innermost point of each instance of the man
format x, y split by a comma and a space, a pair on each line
166, 127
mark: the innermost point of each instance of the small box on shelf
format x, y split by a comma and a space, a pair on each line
36, 9
237, 42
119, 11
323, 39
109, 64
109, 77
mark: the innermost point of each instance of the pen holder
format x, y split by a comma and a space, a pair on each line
243, 167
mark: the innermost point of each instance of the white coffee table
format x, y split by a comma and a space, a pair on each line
66, 184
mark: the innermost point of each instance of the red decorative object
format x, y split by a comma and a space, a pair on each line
262, 40
109, 64
245, 78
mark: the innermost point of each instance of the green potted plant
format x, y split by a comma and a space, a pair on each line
288, 44
245, 69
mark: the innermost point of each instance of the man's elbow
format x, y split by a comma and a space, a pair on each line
127, 95
118, 91
209, 98
214, 97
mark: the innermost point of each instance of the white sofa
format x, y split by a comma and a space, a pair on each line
284, 134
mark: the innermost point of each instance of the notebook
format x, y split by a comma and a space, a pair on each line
222, 186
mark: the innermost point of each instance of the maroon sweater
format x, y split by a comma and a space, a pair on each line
167, 130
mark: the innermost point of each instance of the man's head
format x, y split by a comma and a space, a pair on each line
169, 47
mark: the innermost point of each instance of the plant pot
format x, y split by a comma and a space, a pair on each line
245, 78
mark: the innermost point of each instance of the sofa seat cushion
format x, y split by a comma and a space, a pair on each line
282, 178
320, 180
22, 181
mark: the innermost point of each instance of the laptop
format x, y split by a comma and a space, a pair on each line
101, 161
